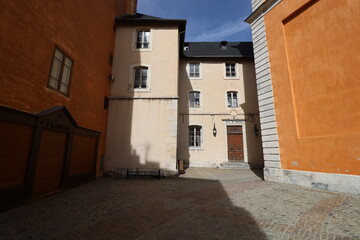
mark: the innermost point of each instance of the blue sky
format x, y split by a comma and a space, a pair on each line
207, 20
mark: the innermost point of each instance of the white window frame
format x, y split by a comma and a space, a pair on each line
192, 133
193, 106
232, 99
236, 71
132, 78
135, 38
189, 70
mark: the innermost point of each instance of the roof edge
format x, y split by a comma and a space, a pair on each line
263, 8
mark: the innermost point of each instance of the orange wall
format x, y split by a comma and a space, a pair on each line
29, 31
315, 57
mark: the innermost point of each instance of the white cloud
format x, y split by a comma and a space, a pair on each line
221, 32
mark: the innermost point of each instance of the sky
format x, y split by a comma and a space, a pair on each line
207, 20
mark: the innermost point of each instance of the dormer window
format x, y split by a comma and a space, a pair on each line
186, 46
143, 39
223, 44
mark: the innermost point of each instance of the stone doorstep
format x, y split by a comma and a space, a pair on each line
238, 165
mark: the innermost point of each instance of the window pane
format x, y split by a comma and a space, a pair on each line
58, 55
143, 78
53, 83
139, 36
63, 88
137, 78
235, 103
56, 67
65, 76
68, 62
144, 83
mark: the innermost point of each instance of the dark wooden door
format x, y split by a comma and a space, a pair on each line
50, 164
235, 143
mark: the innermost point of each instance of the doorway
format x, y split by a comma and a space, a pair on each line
235, 144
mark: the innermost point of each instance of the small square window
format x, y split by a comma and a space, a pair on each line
60, 73
230, 70
194, 70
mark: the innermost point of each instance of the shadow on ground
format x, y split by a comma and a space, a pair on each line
185, 208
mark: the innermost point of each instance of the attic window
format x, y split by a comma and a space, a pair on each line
223, 44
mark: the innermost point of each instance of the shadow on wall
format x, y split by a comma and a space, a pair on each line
251, 107
185, 87
146, 209
126, 146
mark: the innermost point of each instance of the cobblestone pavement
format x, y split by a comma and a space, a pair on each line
203, 204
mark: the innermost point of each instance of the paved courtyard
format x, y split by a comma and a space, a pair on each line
203, 204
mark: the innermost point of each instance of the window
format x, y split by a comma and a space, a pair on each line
230, 70
60, 72
141, 77
194, 99
195, 136
232, 101
143, 39
194, 70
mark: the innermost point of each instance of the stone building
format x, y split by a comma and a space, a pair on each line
175, 101
306, 60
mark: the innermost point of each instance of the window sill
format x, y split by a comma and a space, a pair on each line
196, 108
140, 90
231, 78
196, 148
141, 49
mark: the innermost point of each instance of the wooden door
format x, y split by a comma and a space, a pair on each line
50, 163
235, 143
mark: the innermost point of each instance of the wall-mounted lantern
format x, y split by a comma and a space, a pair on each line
214, 131
111, 77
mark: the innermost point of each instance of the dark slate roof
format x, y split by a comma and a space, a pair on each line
138, 16
143, 18
213, 49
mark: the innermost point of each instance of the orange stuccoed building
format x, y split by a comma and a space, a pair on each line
307, 67
55, 77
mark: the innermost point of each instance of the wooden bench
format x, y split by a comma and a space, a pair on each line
143, 173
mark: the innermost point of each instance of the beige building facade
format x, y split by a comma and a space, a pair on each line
169, 105
218, 111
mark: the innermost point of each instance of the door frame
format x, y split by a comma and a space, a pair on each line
236, 122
